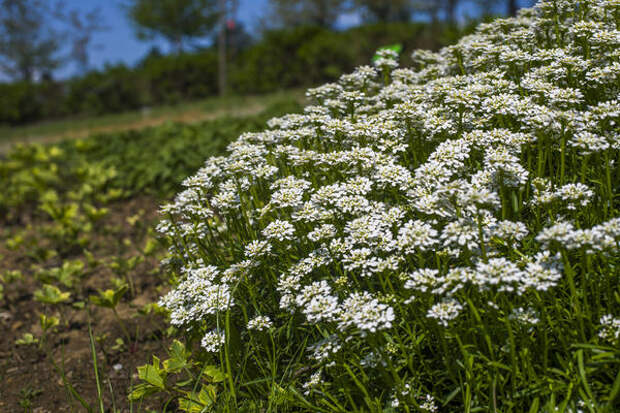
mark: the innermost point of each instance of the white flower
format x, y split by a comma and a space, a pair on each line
429, 404
257, 249
313, 382
279, 230
527, 317
610, 328
445, 311
260, 323
213, 341
324, 349
362, 311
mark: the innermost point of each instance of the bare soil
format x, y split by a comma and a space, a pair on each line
31, 376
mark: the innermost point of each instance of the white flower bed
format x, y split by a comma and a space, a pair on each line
449, 230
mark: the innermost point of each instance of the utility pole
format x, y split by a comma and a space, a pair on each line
222, 48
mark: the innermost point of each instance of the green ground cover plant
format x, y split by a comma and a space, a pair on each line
79, 260
441, 237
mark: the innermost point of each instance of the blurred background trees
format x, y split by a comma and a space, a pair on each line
292, 13
37, 37
301, 43
29, 46
385, 11
175, 20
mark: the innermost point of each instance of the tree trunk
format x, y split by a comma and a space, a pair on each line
451, 11
221, 72
26, 73
178, 44
323, 19
381, 12
512, 7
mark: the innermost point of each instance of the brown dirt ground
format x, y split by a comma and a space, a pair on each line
28, 379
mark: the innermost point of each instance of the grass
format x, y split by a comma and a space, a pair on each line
187, 112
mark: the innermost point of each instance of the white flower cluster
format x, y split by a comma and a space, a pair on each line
401, 193
213, 341
260, 323
198, 296
610, 328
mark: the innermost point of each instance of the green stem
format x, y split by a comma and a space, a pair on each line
562, 158
574, 298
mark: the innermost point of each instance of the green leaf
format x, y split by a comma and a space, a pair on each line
215, 374
109, 298
198, 403
141, 390
26, 340
48, 322
50, 294
207, 395
178, 357
152, 374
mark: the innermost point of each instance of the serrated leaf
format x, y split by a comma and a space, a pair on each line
215, 374
152, 374
178, 359
207, 395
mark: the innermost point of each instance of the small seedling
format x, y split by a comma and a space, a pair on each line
50, 294
26, 340
26, 395
110, 299
48, 323
66, 274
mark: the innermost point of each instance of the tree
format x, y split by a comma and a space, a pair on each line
28, 44
174, 20
385, 11
37, 37
432, 8
288, 13
450, 9
82, 26
435, 7
509, 6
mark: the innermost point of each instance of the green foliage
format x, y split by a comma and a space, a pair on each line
308, 55
27, 340
109, 298
175, 20
48, 323
67, 220
178, 378
322, 13
103, 168
380, 10
50, 294
29, 44
67, 274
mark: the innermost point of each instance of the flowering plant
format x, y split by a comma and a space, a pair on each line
443, 237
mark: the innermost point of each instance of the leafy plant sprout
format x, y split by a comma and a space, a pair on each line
450, 229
